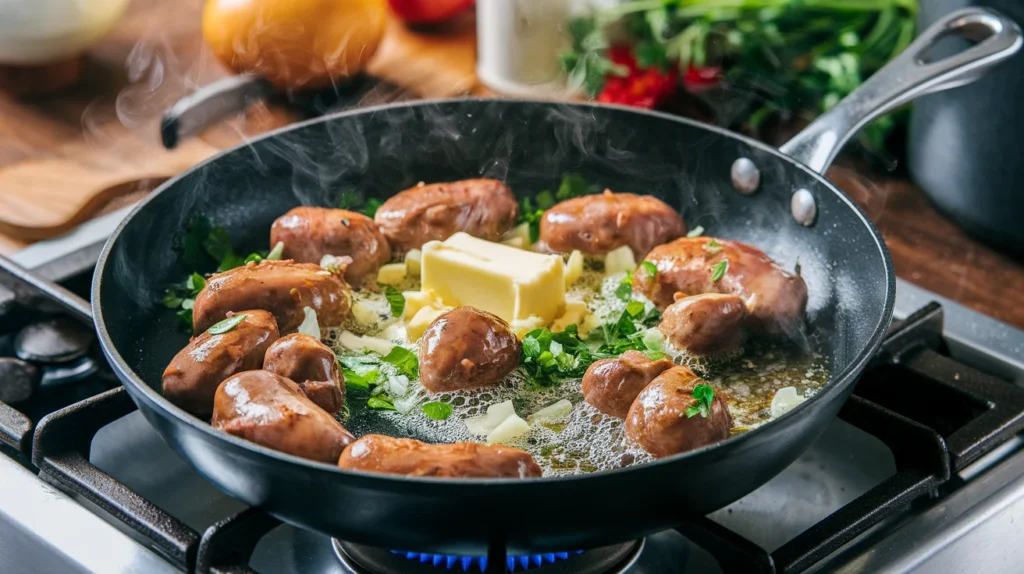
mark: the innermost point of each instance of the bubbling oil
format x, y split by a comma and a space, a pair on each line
586, 440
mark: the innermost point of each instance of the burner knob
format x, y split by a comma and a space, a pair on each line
55, 340
17, 380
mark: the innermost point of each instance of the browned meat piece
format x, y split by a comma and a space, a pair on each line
658, 420
706, 325
281, 287
466, 348
484, 208
597, 224
610, 385
379, 453
191, 380
309, 233
312, 365
272, 411
776, 300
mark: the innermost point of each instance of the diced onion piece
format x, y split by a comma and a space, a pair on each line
413, 260
424, 317
575, 312
516, 242
310, 326
573, 268
523, 326
405, 405
510, 429
784, 400
551, 413
619, 260
485, 424
416, 300
397, 385
521, 231
377, 345
653, 339
391, 274
276, 253
350, 340
367, 311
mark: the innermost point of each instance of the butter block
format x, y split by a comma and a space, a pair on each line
514, 284
391, 274
416, 300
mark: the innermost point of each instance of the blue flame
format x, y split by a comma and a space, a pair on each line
479, 563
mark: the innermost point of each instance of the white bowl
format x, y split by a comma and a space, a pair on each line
43, 31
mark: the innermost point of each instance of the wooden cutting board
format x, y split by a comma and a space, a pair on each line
67, 157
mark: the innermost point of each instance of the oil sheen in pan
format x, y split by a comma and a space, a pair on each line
587, 440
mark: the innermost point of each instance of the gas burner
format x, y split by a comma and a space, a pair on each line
614, 559
55, 340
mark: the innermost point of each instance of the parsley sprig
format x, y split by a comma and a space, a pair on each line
367, 374
351, 201
201, 247
704, 395
531, 209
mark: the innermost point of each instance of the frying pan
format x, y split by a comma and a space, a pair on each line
733, 186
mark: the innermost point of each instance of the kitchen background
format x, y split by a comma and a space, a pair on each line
82, 97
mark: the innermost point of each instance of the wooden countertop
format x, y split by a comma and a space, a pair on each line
156, 54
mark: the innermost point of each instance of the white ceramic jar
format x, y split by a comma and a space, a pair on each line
34, 32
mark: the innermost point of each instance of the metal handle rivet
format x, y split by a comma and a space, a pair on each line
745, 176
803, 207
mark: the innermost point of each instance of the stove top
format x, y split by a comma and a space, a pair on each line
898, 482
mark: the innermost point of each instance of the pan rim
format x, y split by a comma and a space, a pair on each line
139, 390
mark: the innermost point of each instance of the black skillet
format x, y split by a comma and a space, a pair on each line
775, 200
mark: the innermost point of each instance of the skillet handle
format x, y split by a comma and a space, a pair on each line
214, 102
27, 285
908, 76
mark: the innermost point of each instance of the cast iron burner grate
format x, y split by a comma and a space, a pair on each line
969, 414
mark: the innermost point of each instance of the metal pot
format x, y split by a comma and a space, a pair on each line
965, 143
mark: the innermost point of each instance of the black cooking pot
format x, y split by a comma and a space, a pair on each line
965, 143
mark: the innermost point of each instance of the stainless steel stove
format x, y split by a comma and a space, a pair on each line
924, 470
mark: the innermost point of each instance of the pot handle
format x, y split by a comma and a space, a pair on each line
906, 77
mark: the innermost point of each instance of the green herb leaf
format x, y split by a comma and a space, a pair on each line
276, 253
404, 360
796, 268
218, 244
704, 394
363, 381
395, 299
185, 318
645, 274
718, 270
437, 411
712, 247
380, 403
371, 207
349, 200
696, 231
252, 258
195, 283
624, 292
226, 325
172, 300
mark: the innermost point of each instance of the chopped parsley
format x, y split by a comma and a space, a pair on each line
404, 360
647, 271
531, 209
631, 332
350, 200
221, 327
361, 372
796, 268
552, 357
712, 247
395, 299
624, 292
201, 248
380, 402
704, 395
718, 270
437, 411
